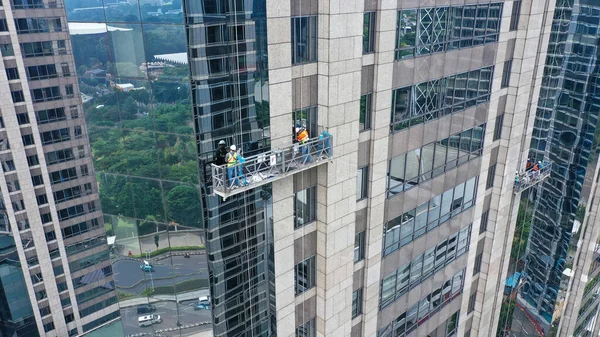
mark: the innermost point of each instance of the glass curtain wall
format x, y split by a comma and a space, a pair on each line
565, 133
133, 69
16, 313
227, 43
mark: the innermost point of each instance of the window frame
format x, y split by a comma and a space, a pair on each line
311, 205
362, 183
310, 268
359, 246
357, 305
311, 53
515, 15
369, 21
506, 72
489, 183
366, 112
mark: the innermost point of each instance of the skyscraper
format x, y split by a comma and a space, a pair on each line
396, 217
56, 273
558, 257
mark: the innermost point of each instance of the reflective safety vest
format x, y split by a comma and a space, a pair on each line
232, 159
302, 136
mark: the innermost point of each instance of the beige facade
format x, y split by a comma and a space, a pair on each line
342, 74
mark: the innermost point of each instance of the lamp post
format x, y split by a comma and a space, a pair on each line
151, 278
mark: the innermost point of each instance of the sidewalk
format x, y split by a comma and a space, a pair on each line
192, 295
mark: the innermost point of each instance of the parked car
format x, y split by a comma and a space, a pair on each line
149, 320
145, 309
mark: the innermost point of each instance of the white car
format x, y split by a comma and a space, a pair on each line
149, 320
204, 300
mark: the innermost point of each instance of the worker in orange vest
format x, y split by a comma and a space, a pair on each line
302, 138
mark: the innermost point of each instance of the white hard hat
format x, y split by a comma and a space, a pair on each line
297, 130
233, 148
539, 162
222, 142
517, 172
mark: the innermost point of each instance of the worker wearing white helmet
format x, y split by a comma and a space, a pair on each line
221, 153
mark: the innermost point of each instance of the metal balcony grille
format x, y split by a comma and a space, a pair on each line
270, 166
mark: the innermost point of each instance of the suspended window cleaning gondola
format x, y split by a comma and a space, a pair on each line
248, 173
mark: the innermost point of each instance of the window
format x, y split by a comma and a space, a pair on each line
69, 318
48, 326
406, 227
3, 26
514, 16
62, 47
357, 303
305, 207
65, 69
36, 49
51, 115
42, 199
6, 49
46, 217
42, 72
37, 180
410, 275
12, 73
8, 166
69, 90
45, 94
426, 101
359, 246
362, 183
215, 34
498, 127
472, 300
506, 74
23, 118
63, 175
50, 236
40, 295
78, 228
304, 39
307, 329
67, 194
305, 275
21, 4
484, 221
477, 264
89, 261
59, 156
417, 166
432, 30
27, 140
18, 205
37, 25
84, 170
45, 311
54, 253
433, 302
306, 118
490, 178
366, 103
13, 186
17, 96
369, 32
